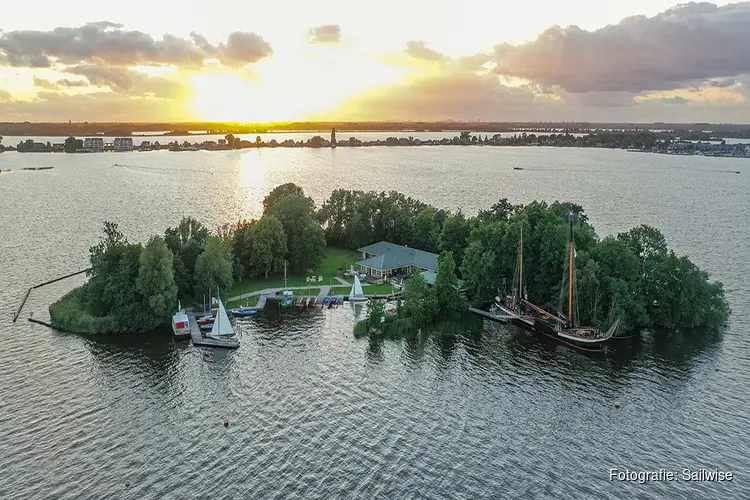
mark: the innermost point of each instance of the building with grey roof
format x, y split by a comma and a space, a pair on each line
383, 259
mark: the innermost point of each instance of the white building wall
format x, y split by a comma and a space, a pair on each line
123, 144
93, 144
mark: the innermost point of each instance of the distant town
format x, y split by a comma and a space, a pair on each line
664, 142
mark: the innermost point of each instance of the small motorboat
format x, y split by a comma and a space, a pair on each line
180, 324
243, 312
206, 320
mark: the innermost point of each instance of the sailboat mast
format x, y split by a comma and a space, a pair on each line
284, 275
570, 271
520, 268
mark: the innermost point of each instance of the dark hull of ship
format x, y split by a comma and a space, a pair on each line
547, 329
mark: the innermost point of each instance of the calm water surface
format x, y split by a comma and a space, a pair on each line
318, 414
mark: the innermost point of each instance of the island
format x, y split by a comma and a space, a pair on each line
665, 142
633, 276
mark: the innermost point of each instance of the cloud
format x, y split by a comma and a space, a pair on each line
328, 33
109, 42
243, 48
100, 106
694, 41
723, 82
57, 84
128, 82
5, 96
418, 50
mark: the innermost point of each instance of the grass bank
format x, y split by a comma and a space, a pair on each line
369, 290
70, 314
334, 258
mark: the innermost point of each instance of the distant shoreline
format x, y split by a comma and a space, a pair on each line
115, 129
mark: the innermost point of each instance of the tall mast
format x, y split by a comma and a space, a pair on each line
284, 275
520, 269
570, 271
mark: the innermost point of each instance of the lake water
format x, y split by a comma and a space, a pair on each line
317, 414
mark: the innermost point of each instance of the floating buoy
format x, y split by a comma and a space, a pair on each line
716, 369
617, 404
127, 485
226, 422
481, 357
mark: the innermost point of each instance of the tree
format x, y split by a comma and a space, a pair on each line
231, 141
280, 192
269, 245
449, 302
453, 236
305, 238
375, 313
186, 242
72, 144
419, 305
213, 269
156, 280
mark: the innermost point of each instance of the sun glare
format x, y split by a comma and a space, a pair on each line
312, 82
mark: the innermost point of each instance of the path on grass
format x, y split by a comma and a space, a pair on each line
324, 291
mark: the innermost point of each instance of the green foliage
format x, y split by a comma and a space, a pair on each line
72, 144
305, 238
453, 236
269, 245
449, 302
186, 242
632, 277
284, 191
130, 289
156, 279
375, 313
419, 303
213, 269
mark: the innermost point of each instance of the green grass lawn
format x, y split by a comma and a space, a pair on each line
334, 258
250, 301
369, 290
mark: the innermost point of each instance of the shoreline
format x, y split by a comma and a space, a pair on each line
426, 143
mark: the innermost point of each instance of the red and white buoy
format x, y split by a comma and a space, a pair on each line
225, 421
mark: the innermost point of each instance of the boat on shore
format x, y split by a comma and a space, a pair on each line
180, 324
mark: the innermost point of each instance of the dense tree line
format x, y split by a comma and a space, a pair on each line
132, 288
633, 276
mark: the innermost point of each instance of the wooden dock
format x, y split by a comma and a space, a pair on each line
199, 339
500, 318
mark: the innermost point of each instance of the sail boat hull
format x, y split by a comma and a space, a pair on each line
583, 339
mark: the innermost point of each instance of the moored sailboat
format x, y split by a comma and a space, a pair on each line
567, 329
356, 294
222, 329
514, 305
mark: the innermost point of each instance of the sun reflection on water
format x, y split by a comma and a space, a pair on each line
253, 174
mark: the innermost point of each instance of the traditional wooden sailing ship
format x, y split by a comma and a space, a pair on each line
560, 328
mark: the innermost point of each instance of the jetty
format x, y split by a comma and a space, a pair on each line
28, 292
500, 318
199, 339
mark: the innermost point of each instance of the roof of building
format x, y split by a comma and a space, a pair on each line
392, 256
430, 277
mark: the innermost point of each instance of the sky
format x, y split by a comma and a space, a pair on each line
420, 60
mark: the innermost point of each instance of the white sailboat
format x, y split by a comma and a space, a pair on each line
356, 294
222, 328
